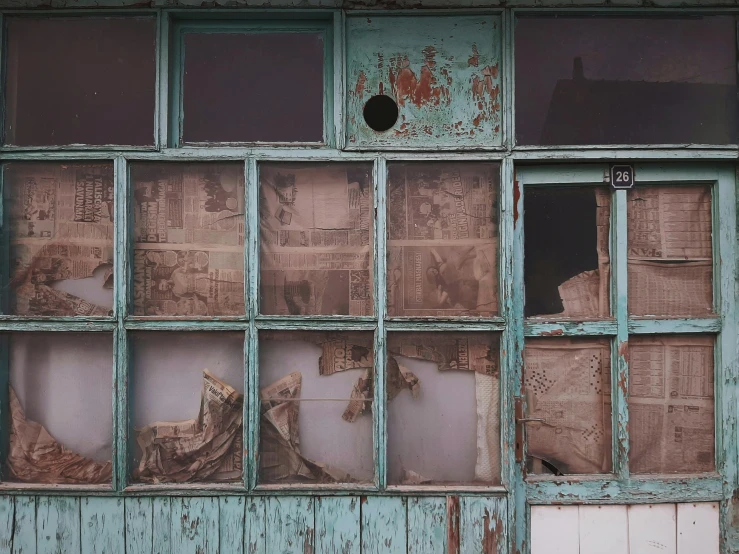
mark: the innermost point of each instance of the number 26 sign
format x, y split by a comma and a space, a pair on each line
622, 176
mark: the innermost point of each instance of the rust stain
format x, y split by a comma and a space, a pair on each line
474, 60
359, 87
452, 529
552, 333
420, 91
362, 500
516, 198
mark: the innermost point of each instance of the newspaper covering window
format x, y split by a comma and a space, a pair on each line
315, 399
671, 404
567, 270
188, 239
442, 232
316, 239
59, 221
670, 256
445, 428
567, 383
193, 432
61, 415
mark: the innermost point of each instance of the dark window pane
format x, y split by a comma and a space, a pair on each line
567, 268
75, 80
253, 87
624, 80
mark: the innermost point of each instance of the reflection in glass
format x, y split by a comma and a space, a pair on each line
187, 396
316, 392
671, 420
442, 231
443, 392
61, 415
568, 388
74, 80
59, 221
670, 259
626, 80
566, 264
258, 87
316, 239
189, 239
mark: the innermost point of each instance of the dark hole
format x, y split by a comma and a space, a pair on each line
380, 112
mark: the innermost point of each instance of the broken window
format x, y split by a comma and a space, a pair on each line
443, 394
61, 416
253, 87
73, 80
316, 239
187, 407
442, 239
59, 224
315, 395
626, 80
568, 395
566, 251
188, 239
670, 260
671, 404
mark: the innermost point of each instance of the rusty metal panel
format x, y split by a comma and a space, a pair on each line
444, 73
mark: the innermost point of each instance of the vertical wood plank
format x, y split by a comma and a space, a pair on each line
161, 525
255, 526
231, 521
7, 513
652, 529
194, 525
427, 525
290, 525
58, 525
24, 535
604, 530
697, 528
337, 525
103, 524
139, 523
383, 525
555, 530
483, 525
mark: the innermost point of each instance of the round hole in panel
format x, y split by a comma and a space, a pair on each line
380, 113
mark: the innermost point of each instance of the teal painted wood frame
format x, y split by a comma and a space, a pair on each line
621, 487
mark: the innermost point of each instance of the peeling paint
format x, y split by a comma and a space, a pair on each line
452, 519
516, 198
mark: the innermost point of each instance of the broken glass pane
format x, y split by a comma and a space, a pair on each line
316, 239
671, 419
188, 239
61, 410
443, 392
626, 80
187, 407
670, 251
59, 221
568, 397
567, 268
316, 393
442, 232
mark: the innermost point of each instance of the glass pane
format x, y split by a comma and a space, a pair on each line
671, 422
443, 423
670, 256
315, 392
189, 239
60, 227
568, 388
316, 239
265, 87
442, 231
626, 80
80, 81
187, 397
61, 413
567, 270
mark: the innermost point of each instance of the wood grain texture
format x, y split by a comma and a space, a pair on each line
383, 525
231, 522
194, 526
161, 525
698, 528
555, 530
103, 525
653, 529
483, 524
58, 525
7, 515
604, 530
139, 525
427, 525
290, 525
337, 525
255, 526
24, 532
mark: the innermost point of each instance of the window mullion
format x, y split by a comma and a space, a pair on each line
162, 81
379, 412
251, 357
619, 350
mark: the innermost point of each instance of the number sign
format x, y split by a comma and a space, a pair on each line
622, 176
